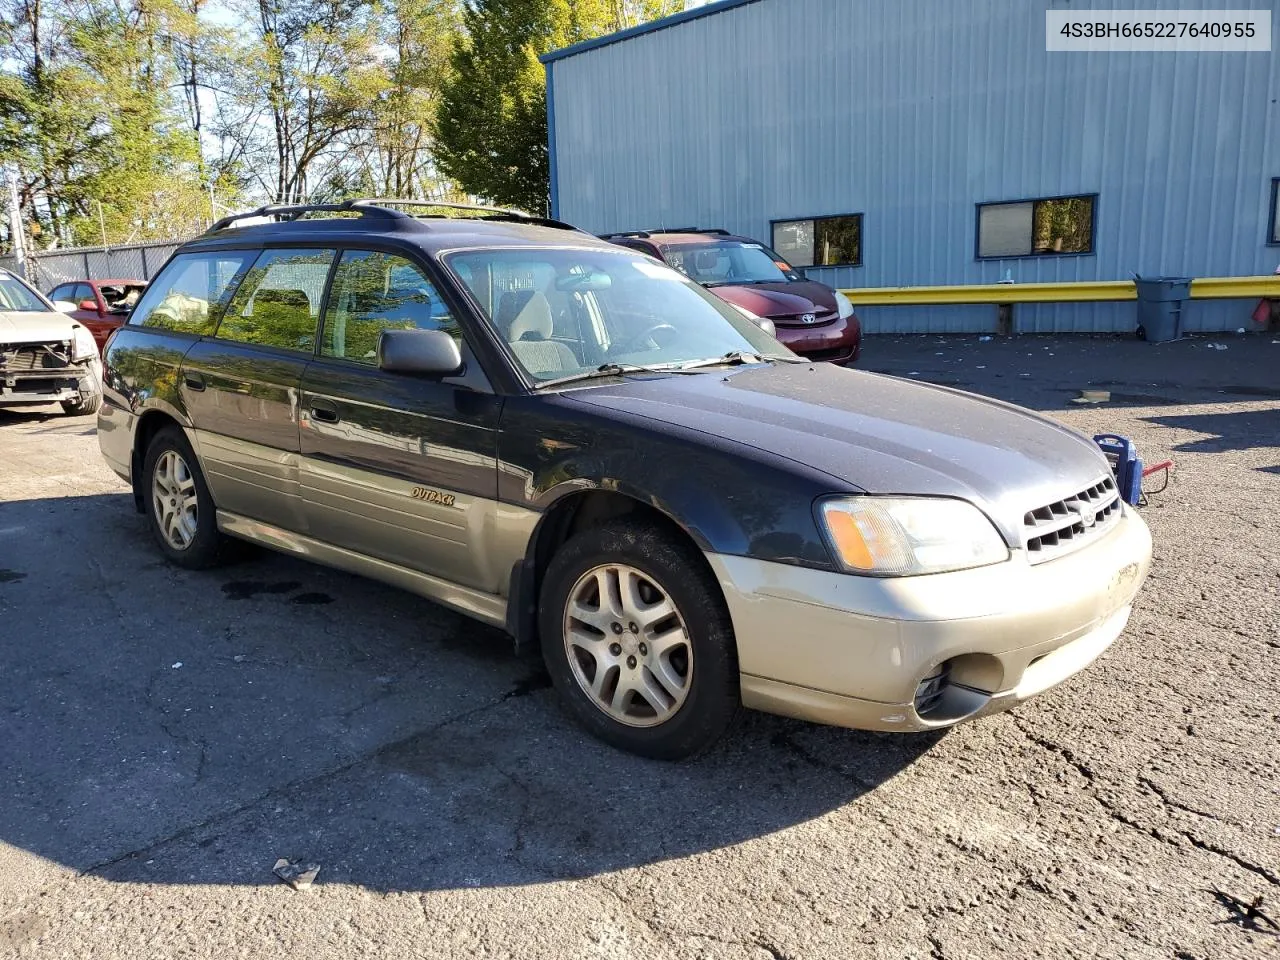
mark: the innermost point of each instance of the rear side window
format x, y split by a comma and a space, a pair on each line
374, 291
190, 291
278, 302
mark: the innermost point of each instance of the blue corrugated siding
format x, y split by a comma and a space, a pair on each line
913, 112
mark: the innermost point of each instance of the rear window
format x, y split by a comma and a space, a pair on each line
191, 291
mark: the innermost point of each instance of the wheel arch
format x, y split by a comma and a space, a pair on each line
150, 422
568, 515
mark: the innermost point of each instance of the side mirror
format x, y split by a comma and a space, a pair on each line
65, 306
89, 305
429, 353
767, 325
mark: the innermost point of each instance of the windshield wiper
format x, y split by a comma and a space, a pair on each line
606, 370
738, 357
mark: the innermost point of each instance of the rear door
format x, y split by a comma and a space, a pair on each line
399, 467
241, 385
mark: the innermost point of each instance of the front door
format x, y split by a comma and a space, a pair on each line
399, 467
241, 386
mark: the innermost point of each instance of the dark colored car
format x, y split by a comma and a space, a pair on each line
809, 317
577, 443
100, 305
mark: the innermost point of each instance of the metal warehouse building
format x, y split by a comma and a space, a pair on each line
926, 142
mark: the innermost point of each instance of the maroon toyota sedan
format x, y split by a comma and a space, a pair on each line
810, 318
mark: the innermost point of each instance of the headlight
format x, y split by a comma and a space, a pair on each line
844, 305
83, 346
764, 323
903, 536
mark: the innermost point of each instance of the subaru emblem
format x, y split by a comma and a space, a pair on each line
808, 318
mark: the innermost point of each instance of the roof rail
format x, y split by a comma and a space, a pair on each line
638, 234
494, 213
297, 209
716, 230
479, 207
384, 207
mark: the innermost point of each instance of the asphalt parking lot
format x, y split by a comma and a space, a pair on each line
166, 736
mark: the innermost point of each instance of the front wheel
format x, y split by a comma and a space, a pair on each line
90, 398
638, 641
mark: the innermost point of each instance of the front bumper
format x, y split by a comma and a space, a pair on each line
868, 653
49, 385
838, 341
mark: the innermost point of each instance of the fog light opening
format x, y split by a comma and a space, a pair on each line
939, 699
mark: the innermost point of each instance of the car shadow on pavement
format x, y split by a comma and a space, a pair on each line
176, 727
1237, 430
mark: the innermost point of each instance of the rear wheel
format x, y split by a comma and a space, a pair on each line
638, 641
179, 506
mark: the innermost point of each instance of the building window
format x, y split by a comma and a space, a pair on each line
820, 241
1054, 226
1273, 229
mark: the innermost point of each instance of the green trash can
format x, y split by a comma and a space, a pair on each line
1160, 301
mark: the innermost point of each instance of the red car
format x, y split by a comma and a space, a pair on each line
810, 318
101, 305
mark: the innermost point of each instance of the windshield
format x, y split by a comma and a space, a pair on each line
729, 261
16, 295
566, 312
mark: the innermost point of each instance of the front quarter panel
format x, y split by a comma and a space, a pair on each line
730, 498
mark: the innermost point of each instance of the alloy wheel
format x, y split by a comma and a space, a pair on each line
628, 645
175, 500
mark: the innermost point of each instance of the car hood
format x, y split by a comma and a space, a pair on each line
780, 299
876, 433
24, 326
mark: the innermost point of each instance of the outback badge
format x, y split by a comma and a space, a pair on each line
427, 495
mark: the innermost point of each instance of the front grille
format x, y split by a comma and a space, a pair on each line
792, 320
21, 357
1062, 526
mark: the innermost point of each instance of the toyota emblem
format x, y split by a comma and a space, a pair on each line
808, 318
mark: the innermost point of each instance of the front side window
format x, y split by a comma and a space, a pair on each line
565, 312
729, 262
16, 295
1052, 227
820, 241
278, 302
374, 291
190, 290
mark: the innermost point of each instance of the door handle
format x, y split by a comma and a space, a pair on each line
193, 381
324, 412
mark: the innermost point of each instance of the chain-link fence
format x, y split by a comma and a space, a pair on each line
47, 268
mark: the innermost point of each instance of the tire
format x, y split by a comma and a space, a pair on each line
89, 402
86, 405
690, 672
196, 524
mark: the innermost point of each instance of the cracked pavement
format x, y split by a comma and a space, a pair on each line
166, 736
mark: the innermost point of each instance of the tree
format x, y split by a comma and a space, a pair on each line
301, 85
87, 117
491, 134
397, 160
